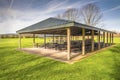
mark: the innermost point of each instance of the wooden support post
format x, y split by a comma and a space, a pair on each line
107, 39
45, 40
19, 40
110, 38
33, 40
101, 36
103, 39
74, 37
92, 40
71, 37
59, 39
113, 38
98, 39
88, 36
68, 44
53, 39
83, 41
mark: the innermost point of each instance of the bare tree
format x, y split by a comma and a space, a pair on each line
91, 14
101, 25
60, 16
70, 14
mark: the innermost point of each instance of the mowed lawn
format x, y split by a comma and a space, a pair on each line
18, 65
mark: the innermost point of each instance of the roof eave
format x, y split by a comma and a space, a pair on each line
51, 27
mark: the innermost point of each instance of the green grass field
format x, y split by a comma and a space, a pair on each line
17, 65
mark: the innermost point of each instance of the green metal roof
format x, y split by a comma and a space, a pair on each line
49, 23
54, 23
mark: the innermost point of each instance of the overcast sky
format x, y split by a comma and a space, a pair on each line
17, 14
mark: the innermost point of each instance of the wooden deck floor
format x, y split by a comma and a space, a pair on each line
59, 55
50, 53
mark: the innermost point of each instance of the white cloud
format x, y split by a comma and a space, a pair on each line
55, 5
82, 3
13, 19
16, 20
29, 5
112, 9
112, 24
11, 3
